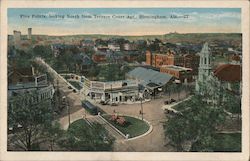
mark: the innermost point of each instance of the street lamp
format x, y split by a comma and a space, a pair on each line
141, 112
68, 107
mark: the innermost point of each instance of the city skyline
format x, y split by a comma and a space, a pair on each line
109, 22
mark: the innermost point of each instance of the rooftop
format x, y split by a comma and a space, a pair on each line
150, 76
177, 68
228, 72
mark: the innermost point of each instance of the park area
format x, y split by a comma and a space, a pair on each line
129, 125
222, 143
82, 136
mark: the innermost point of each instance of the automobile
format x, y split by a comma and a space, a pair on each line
114, 104
172, 100
169, 101
166, 102
74, 90
103, 102
69, 87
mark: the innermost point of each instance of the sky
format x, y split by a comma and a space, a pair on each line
124, 21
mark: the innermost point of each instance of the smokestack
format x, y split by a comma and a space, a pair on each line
29, 33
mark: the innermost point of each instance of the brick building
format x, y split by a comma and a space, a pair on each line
99, 58
180, 73
171, 58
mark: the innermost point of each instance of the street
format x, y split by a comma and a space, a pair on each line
152, 112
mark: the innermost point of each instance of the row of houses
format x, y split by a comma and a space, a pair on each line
114, 44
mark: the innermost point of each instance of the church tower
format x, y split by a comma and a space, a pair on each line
205, 67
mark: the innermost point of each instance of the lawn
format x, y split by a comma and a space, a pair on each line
82, 136
134, 127
75, 84
223, 143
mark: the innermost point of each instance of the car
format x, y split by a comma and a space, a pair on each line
114, 104
103, 102
74, 90
172, 100
166, 102
69, 87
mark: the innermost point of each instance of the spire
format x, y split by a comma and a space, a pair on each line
205, 49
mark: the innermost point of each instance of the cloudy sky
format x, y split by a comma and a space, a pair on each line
115, 21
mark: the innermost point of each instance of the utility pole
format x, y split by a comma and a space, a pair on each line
68, 111
141, 95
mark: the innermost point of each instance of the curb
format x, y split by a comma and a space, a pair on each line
136, 137
112, 126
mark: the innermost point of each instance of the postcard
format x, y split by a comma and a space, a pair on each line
124, 80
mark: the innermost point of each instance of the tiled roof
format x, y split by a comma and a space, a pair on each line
228, 72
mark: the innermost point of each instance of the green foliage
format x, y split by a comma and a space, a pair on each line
232, 103
83, 137
199, 121
44, 52
113, 72
220, 143
34, 117
52, 134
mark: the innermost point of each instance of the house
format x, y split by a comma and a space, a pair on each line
25, 80
99, 57
114, 47
87, 43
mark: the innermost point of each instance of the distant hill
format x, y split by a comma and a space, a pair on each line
171, 37
201, 37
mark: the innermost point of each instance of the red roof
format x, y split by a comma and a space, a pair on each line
228, 72
235, 57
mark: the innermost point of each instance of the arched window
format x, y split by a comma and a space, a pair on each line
205, 60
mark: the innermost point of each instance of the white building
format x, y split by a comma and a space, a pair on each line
114, 47
205, 67
25, 81
215, 84
114, 91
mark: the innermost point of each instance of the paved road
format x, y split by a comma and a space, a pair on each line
153, 142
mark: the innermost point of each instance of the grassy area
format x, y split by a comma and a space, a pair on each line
134, 127
75, 84
84, 137
223, 143
79, 123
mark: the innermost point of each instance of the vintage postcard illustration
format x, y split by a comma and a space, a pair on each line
126, 79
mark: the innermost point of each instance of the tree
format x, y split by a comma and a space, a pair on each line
52, 134
83, 137
198, 121
43, 51
32, 116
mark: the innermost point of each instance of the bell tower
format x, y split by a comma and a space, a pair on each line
205, 67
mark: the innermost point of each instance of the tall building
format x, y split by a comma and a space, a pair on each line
29, 33
17, 38
205, 67
171, 58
